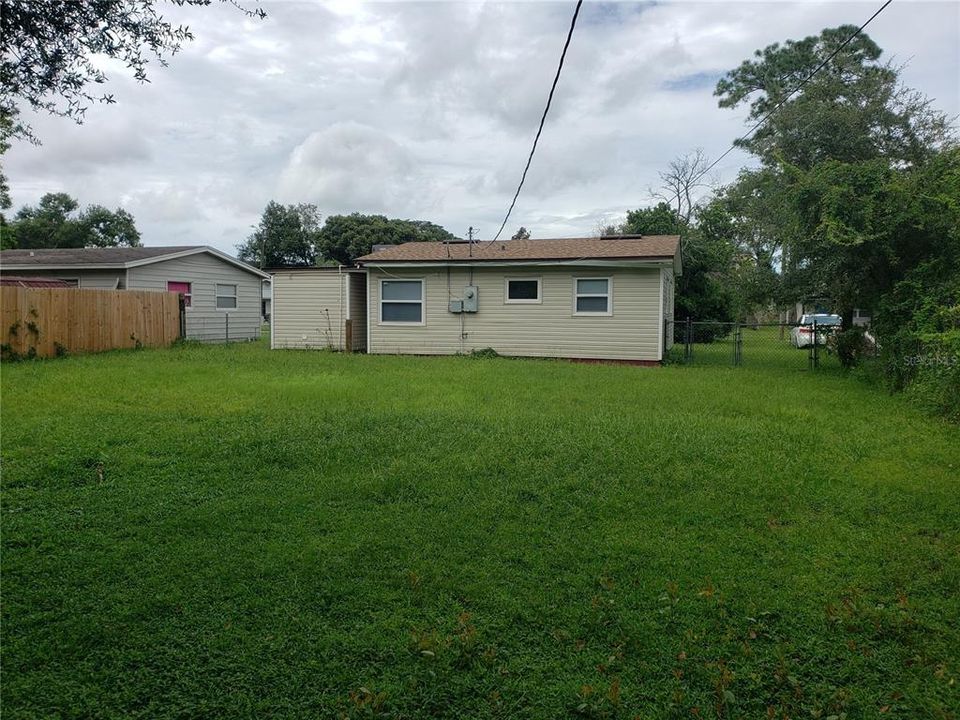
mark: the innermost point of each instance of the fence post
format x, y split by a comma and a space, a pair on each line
736, 344
226, 320
688, 341
816, 345
183, 316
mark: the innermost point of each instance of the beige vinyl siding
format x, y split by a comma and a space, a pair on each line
358, 309
306, 309
545, 329
91, 279
204, 271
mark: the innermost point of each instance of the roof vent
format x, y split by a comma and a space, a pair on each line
31, 253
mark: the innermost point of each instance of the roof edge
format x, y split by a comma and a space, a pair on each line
13, 265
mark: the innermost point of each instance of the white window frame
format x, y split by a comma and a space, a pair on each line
188, 306
608, 295
217, 296
520, 278
422, 302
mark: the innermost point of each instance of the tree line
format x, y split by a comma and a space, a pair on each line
854, 203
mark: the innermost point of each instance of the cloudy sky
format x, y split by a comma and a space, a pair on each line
427, 110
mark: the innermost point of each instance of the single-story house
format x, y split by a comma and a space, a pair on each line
601, 298
221, 294
861, 316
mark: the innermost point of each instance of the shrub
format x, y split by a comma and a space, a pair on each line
850, 346
935, 381
485, 353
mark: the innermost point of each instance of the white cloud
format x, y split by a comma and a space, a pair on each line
428, 110
349, 166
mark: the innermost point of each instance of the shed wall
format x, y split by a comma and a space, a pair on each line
308, 309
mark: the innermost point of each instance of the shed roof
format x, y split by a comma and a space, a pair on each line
34, 282
647, 247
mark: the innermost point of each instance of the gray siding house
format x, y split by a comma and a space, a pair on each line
222, 294
580, 298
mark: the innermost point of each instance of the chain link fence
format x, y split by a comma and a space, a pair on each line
790, 346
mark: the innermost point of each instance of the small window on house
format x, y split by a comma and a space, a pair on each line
401, 301
523, 290
72, 282
182, 288
592, 296
226, 297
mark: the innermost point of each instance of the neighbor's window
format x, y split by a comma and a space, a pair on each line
401, 301
592, 296
182, 288
523, 290
226, 297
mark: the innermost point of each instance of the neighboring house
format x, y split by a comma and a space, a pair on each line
266, 296
860, 317
588, 298
221, 294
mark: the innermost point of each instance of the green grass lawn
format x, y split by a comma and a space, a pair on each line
235, 532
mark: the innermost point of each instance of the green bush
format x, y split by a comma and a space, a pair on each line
935, 381
850, 346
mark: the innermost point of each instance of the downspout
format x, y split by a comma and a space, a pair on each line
366, 302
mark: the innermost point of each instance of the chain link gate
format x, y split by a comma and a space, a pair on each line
790, 346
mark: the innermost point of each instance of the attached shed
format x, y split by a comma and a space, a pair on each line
318, 308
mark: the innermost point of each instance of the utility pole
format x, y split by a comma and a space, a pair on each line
470, 232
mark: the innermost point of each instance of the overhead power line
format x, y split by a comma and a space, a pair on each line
573, 24
797, 89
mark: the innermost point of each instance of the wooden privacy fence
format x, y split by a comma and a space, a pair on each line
49, 322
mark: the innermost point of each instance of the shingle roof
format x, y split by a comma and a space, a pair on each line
87, 256
647, 247
109, 258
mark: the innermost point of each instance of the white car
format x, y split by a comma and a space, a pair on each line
802, 335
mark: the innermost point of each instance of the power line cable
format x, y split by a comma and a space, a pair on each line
543, 119
793, 92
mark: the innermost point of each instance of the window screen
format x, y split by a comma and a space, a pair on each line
523, 290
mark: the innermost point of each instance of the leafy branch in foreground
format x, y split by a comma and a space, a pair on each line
48, 50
